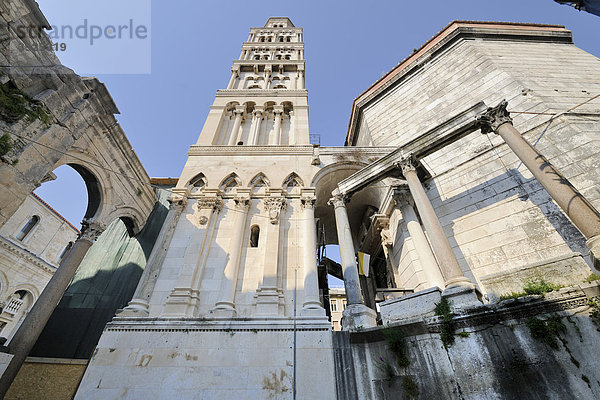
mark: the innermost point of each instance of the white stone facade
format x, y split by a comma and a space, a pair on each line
27, 261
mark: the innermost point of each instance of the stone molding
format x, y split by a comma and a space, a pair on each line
214, 203
490, 120
26, 255
251, 150
242, 203
308, 202
261, 93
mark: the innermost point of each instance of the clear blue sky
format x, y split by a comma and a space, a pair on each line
349, 45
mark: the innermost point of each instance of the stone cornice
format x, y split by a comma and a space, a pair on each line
269, 62
26, 255
261, 93
455, 31
299, 150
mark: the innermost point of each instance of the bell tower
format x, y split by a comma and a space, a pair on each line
265, 102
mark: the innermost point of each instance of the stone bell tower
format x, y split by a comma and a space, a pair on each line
230, 293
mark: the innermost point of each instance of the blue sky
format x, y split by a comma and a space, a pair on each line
349, 45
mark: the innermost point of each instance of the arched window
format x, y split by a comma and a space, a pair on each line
288, 57
65, 252
28, 227
254, 234
257, 57
280, 38
262, 38
288, 39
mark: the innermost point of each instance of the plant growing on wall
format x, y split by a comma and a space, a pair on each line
546, 331
397, 345
442, 309
15, 105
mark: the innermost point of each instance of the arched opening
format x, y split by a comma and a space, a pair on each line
254, 235
33, 221
197, 183
16, 307
68, 196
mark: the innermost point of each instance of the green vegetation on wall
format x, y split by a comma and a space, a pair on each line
15, 105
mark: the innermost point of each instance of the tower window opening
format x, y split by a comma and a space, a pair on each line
288, 57
268, 39
33, 221
65, 252
240, 143
254, 234
257, 57
262, 39
281, 38
288, 39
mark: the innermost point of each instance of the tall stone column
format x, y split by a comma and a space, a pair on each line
583, 215
426, 258
183, 299
235, 74
301, 79
239, 113
356, 314
139, 304
276, 136
312, 304
451, 271
225, 305
255, 129
268, 294
25, 337
292, 135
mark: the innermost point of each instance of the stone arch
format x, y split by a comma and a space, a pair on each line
229, 182
4, 284
197, 183
28, 287
259, 184
292, 183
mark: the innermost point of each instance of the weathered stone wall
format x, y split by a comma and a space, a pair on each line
497, 357
192, 359
47, 379
79, 127
495, 214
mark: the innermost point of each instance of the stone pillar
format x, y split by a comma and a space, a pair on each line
356, 314
312, 304
139, 304
184, 298
583, 215
25, 337
225, 307
451, 271
268, 294
239, 113
235, 74
255, 129
292, 135
301, 79
276, 136
426, 258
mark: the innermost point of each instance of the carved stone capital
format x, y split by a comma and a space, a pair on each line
386, 238
308, 202
91, 230
239, 111
407, 164
494, 117
338, 200
273, 206
214, 203
177, 202
402, 196
242, 203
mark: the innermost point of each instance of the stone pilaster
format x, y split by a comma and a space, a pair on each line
225, 306
184, 298
312, 304
139, 304
276, 136
269, 296
238, 112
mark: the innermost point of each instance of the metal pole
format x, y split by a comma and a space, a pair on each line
294, 363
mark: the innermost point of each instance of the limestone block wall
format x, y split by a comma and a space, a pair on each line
497, 357
190, 360
495, 214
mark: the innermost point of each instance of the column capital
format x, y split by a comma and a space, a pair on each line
278, 110
308, 202
242, 203
401, 195
409, 163
274, 206
491, 119
239, 110
91, 230
177, 202
338, 200
210, 202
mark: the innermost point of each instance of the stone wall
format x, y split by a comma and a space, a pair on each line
495, 358
47, 379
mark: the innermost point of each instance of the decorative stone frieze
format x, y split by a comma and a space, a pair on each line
214, 203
